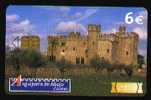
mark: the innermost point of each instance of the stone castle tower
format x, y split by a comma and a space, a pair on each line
126, 46
120, 47
92, 40
32, 42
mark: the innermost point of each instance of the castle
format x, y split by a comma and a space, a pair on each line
120, 47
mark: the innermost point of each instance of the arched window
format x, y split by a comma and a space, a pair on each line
108, 50
82, 60
73, 48
93, 42
127, 53
52, 58
77, 60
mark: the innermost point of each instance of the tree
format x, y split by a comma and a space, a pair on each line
62, 65
96, 63
12, 58
32, 58
129, 69
7, 49
28, 57
140, 60
100, 63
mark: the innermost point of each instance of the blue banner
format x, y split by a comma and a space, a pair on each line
39, 85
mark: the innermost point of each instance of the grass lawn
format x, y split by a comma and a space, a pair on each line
96, 85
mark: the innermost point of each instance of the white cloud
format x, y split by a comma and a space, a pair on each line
141, 32
24, 26
11, 42
64, 12
142, 52
15, 27
110, 30
120, 23
12, 18
78, 14
86, 14
71, 27
113, 30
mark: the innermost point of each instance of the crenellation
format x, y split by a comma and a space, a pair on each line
120, 47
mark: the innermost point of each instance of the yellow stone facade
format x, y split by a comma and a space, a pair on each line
120, 47
30, 42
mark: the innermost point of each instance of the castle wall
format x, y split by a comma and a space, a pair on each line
30, 42
73, 48
134, 43
126, 50
93, 37
124, 53
119, 48
68, 52
55, 45
105, 49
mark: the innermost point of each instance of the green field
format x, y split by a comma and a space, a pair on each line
96, 85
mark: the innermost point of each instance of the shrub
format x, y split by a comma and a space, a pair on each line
28, 57
99, 63
50, 63
32, 58
13, 58
140, 60
62, 65
129, 70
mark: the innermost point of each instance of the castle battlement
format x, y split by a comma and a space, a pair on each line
119, 47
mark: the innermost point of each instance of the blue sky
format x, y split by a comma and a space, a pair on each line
52, 20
